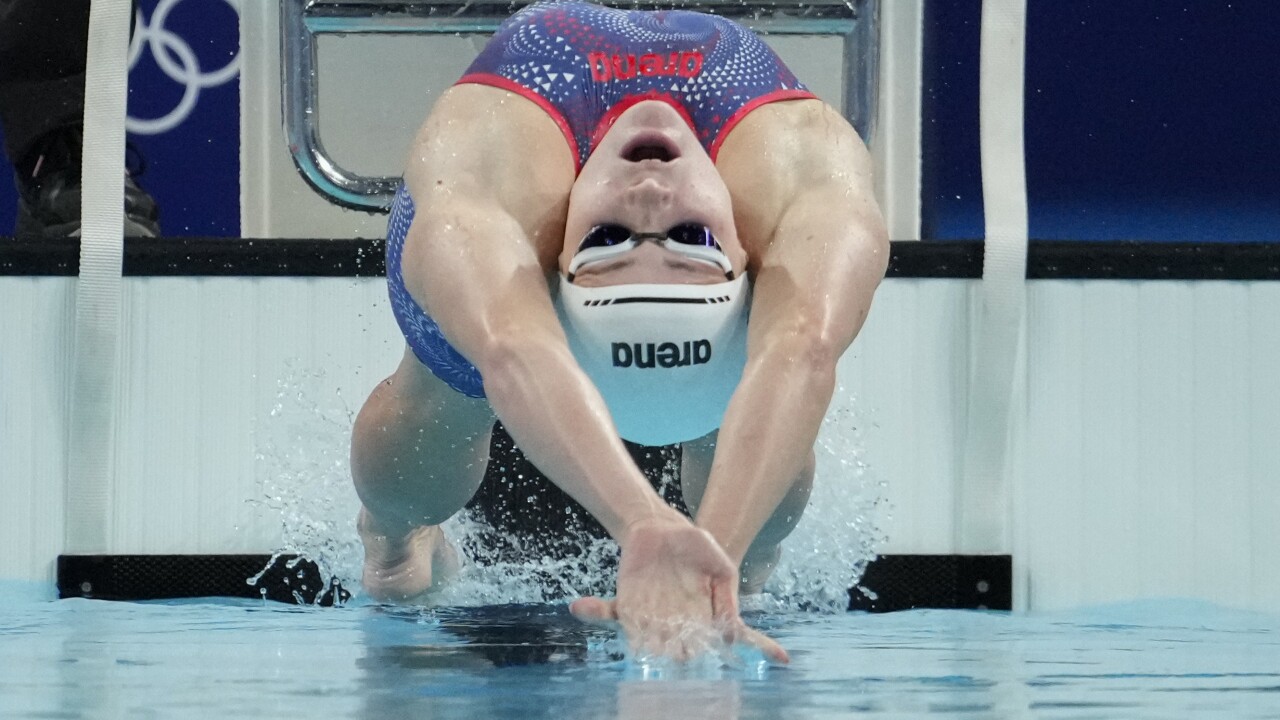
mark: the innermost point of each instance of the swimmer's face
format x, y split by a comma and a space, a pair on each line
649, 173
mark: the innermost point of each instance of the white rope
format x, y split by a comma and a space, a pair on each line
91, 438
983, 501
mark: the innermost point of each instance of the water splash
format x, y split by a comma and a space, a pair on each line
305, 476
839, 533
490, 577
304, 473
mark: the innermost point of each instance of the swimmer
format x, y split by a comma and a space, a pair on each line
621, 225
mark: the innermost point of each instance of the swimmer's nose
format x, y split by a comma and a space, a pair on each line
650, 193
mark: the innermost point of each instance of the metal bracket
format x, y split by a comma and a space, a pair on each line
856, 21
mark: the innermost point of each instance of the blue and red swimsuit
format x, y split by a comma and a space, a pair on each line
585, 65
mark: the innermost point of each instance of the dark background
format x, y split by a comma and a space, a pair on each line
193, 170
1145, 120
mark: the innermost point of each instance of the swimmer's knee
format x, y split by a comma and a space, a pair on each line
788, 513
418, 440
696, 457
756, 569
797, 497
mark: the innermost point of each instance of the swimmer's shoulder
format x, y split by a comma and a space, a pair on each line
494, 142
483, 123
808, 126
485, 147
781, 150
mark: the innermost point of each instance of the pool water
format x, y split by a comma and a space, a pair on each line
225, 659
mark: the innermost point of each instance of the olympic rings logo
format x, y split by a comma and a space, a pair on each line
178, 61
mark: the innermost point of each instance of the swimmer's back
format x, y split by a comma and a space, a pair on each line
585, 64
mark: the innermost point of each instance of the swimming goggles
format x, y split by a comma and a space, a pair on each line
690, 240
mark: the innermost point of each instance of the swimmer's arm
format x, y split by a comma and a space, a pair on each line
490, 195
821, 252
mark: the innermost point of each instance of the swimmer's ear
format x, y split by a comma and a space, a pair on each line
595, 611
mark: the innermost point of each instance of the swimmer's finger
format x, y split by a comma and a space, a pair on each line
765, 644
594, 611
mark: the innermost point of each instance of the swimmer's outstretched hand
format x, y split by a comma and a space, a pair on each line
677, 595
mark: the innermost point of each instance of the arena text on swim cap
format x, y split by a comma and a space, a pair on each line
664, 355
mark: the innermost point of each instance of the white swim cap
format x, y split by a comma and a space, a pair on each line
666, 357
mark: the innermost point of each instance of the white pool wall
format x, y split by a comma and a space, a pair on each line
1148, 460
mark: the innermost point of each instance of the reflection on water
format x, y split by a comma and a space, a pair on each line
535, 660
82, 658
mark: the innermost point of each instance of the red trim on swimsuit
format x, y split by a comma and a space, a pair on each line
771, 97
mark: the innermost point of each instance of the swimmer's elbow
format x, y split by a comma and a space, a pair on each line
511, 358
499, 353
807, 347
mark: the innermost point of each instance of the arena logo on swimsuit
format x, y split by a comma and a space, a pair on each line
666, 355
606, 67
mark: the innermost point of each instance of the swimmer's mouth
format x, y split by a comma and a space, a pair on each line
650, 146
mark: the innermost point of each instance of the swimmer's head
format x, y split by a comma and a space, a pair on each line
653, 289
650, 175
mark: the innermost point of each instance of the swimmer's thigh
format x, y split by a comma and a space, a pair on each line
419, 448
